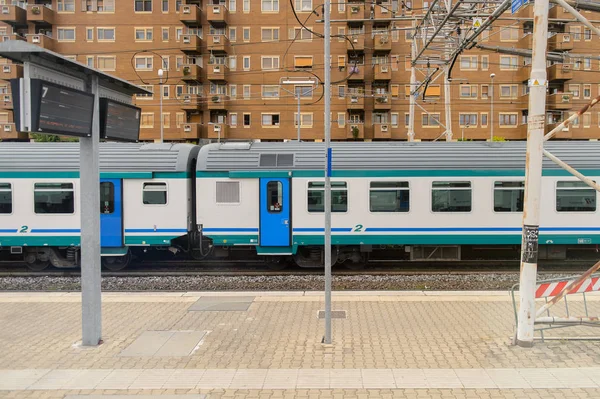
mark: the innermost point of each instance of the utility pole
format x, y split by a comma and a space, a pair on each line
328, 162
447, 96
492, 76
413, 85
533, 176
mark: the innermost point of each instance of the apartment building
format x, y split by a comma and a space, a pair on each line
225, 61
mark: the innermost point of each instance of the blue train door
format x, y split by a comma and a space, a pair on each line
275, 226
111, 213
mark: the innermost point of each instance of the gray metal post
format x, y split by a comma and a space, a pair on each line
89, 182
299, 115
413, 85
327, 244
492, 108
162, 130
447, 97
533, 176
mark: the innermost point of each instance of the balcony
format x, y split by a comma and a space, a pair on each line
560, 42
191, 43
523, 102
382, 131
217, 131
559, 101
382, 72
524, 73
6, 101
383, 11
564, 133
216, 72
9, 132
355, 101
356, 72
560, 72
382, 42
526, 41
190, 14
217, 14
557, 12
355, 130
11, 71
12, 36
190, 102
356, 43
218, 44
43, 41
191, 72
191, 131
40, 14
217, 102
382, 102
355, 11
13, 15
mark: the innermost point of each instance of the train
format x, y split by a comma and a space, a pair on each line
390, 200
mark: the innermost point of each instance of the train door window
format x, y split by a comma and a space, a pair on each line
155, 193
274, 197
451, 196
107, 198
508, 196
5, 198
339, 196
389, 196
575, 196
54, 198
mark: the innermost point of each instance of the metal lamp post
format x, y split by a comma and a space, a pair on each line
492, 76
162, 132
298, 95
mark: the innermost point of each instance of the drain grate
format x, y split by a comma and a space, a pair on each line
335, 314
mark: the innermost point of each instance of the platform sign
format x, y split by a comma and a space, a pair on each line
119, 121
57, 109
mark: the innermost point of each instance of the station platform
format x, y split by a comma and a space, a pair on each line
196, 345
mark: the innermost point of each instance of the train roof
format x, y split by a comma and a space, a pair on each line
114, 157
391, 155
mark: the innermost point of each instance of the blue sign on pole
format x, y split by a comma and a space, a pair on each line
516, 4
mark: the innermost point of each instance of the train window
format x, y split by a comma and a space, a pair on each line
575, 196
155, 193
107, 198
54, 198
389, 196
5, 198
451, 196
339, 196
274, 197
508, 196
228, 192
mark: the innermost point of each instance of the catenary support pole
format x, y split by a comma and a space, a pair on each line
413, 85
328, 162
89, 182
533, 176
298, 119
448, 98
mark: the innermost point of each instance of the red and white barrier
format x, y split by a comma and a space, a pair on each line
551, 289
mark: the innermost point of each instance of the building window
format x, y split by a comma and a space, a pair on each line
587, 34
246, 120
269, 34
509, 34
507, 119
165, 5
270, 120
270, 91
147, 120
54, 198
587, 120
484, 119
430, 120
303, 5
587, 64
66, 34
143, 5
246, 34
485, 62
451, 196
341, 119
389, 196
270, 5
468, 62
143, 63
300, 34
575, 196
246, 5
485, 89
178, 33
106, 34
246, 62
587, 91
509, 91
316, 196
232, 34
143, 34
89, 34
107, 63
165, 62
509, 62
508, 196
575, 32
269, 62
166, 91
306, 119
180, 119
246, 92
107, 6
406, 120
232, 6
468, 91
233, 119
394, 119
233, 91
5, 198
466, 120
65, 5
89, 61
303, 62
575, 91
165, 34
154, 193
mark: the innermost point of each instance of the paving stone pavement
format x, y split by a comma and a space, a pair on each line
390, 345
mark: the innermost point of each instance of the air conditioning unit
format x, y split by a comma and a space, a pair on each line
5, 10
566, 66
566, 38
217, 128
187, 9
216, 39
36, 39
217, 69
384, 128
354, 100
6, 69
384, 69
187, 128
187, 39
355, 40
187, 98
6, 99
216, 10
7, 128
383, 39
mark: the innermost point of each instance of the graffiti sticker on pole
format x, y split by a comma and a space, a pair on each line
530, 243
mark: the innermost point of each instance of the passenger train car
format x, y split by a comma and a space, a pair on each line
415, 201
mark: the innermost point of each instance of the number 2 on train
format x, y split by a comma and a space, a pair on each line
358, 228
